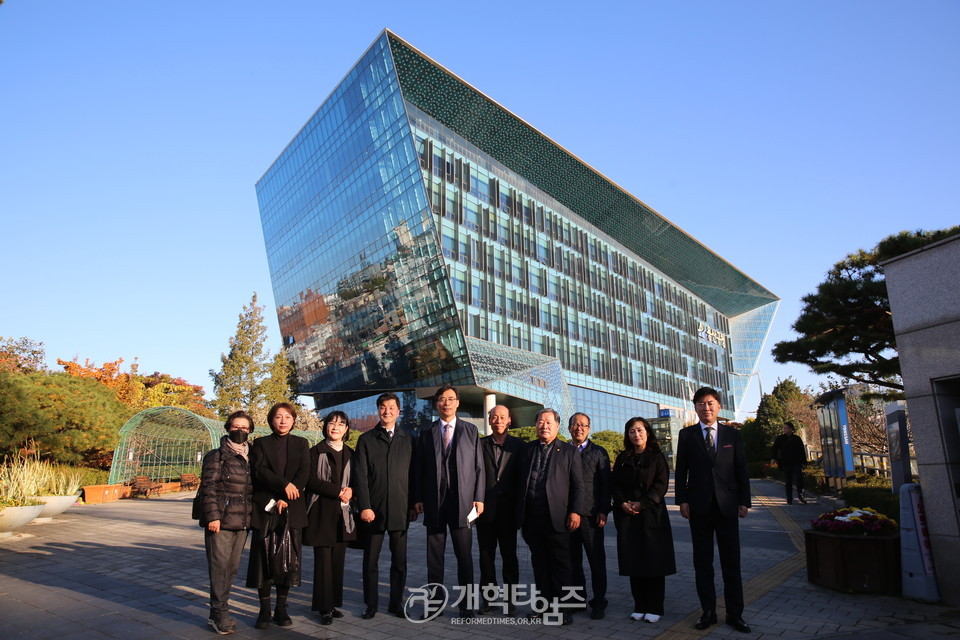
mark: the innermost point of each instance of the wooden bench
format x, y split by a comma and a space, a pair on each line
189, 481
144, 486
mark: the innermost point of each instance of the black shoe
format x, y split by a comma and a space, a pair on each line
222, 623
466, 613
395, 612
597, 613
802, 499
738, 624
706, 619
336, 613
281, 618
485, 609
567, 619
263, 620
326, 617
369, 613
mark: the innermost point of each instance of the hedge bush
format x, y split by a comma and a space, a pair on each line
876, 497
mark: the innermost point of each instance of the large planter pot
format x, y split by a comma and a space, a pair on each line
54, 506
854, 564
12, 518
97, 493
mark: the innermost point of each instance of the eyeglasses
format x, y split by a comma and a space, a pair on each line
710, 404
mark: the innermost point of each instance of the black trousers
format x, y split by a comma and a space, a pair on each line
373, 543
550, 556
703, 529
223, 559
500, 531
588, 539
462, 539
793, 474
648, 593
328, 577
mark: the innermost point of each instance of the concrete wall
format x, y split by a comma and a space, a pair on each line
924, 291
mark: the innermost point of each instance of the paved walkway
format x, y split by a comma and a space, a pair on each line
136, 569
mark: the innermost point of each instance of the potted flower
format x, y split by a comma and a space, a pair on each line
854, 550
57, 487
16, 507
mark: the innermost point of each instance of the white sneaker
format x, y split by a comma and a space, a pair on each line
651, 617
637, 616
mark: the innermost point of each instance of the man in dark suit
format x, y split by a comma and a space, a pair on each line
713, 491
498, 524
383, 474
449, 488
790, 454
549, 505
588, 538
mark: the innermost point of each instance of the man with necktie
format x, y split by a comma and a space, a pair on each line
713, 492
449, 485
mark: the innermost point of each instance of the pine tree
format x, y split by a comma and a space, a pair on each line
242, 370
276, 387
845, 327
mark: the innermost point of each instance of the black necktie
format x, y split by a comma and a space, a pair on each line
711, 448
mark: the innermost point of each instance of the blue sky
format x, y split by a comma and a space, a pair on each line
783, 135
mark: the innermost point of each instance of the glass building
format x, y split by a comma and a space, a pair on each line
418, 233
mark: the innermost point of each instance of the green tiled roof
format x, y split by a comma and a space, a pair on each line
585, 191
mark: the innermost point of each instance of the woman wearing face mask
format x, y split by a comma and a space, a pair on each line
227, 502
281, 464
330, 524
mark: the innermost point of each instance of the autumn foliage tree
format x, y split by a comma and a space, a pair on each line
21, 355
141, 392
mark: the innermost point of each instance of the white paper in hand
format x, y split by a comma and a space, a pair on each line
473, 515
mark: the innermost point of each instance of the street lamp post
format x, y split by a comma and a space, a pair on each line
750, 375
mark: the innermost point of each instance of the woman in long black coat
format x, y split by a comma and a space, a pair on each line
280, 464
330, 523
644, 538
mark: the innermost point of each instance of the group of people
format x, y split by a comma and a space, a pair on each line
558, 495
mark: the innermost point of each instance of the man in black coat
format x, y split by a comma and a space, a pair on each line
549, 506
588, 538
449, 488
498, 524
790, 454
713, 490
383, 469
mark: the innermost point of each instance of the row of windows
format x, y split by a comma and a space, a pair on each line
557, 243
535, 281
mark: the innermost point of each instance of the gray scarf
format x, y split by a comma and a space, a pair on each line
325, 473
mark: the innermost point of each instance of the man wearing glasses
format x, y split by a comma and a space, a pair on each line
713, 491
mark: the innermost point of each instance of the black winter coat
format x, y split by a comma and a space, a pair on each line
789, 449
269, 484
325, 525
645, 540
383, 477
227, 489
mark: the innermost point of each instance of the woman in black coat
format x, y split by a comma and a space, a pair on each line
281, 464
644, 539
226, 502
330, 524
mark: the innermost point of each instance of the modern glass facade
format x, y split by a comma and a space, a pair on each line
418, 233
